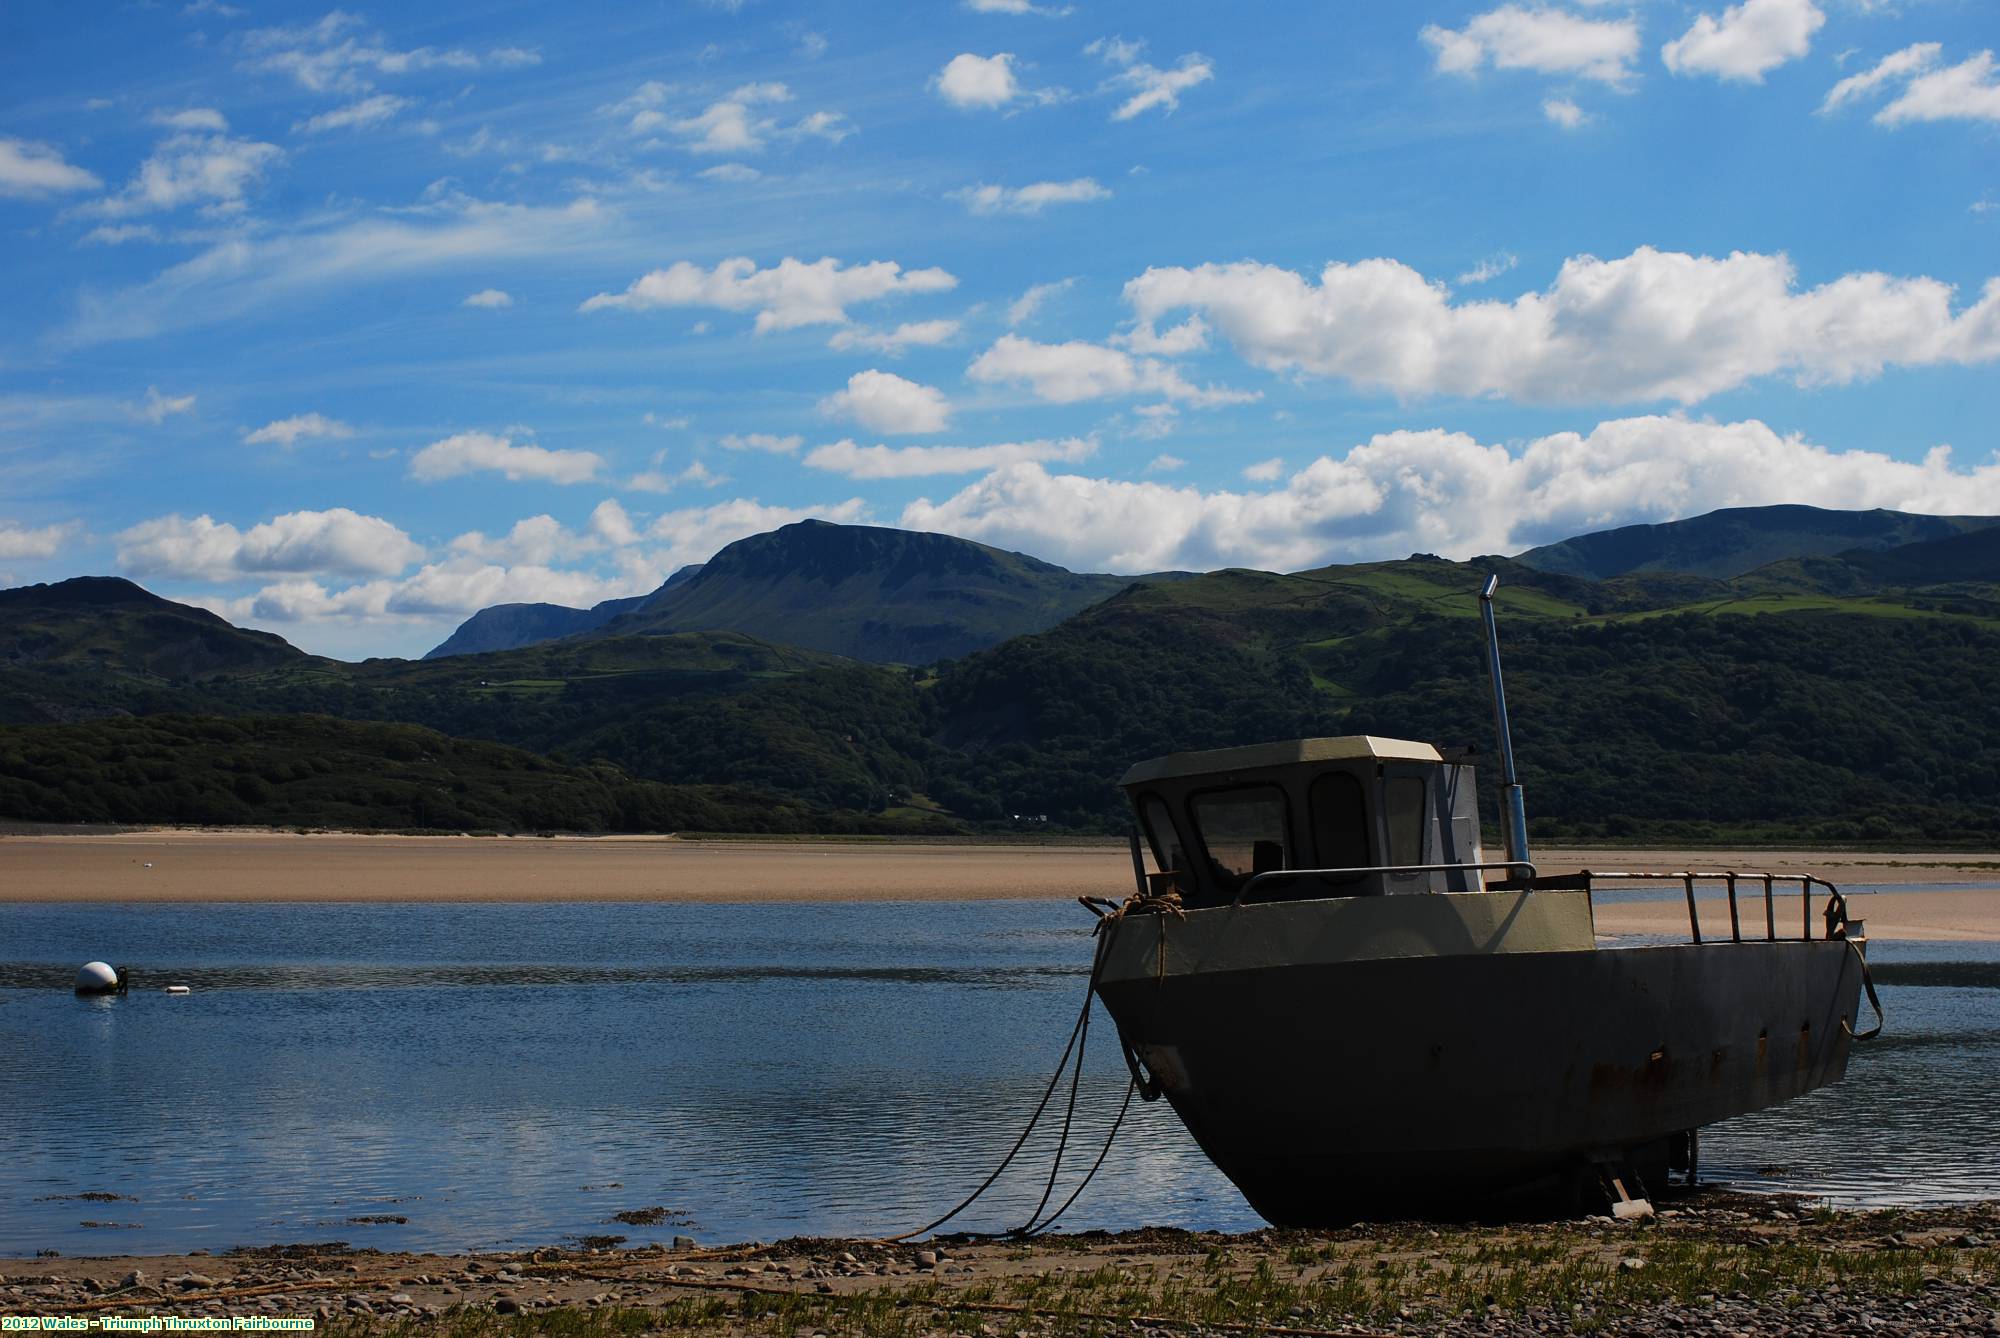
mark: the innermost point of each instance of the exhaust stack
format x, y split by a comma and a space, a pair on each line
1514, 815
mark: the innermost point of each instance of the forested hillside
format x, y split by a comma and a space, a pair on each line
1835, 697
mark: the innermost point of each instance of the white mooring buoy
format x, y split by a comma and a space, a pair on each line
178, 989
98, 978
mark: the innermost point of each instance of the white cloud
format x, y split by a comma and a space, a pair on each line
193, 118
117, 234
490, 298
731, 172
763, 441
664, 423
1443, 492
969, 81
336, 541
1265, 471
1565, 113
213, 171
534, 541
157, 408
289, 432
885, 402
29, 170
1892, 68
1156, 420
830, 126
648, 95
1544, 40
1488, 269
1749, 39
1654, 325
1148, 85
1967, 91
1190, 336
1016, 7
609, 522
331, 55
902, 462
465, 585
790, 294
697, 473
1074, 371
468, 452
1029, 199
1023, 308
356, 115
728, 125
21, 541
910, 334
650, 480
1165, 464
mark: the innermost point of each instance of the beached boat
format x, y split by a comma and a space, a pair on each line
1357, 1014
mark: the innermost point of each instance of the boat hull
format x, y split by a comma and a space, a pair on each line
1425, 1085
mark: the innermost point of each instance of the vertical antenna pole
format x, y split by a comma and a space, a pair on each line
1515, 817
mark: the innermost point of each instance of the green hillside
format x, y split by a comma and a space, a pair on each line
1820, 718
315, 771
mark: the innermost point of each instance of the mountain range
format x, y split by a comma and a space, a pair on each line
1817, 695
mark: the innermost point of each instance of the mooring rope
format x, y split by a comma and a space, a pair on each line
1144, 903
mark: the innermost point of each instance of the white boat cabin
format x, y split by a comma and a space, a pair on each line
1346, 813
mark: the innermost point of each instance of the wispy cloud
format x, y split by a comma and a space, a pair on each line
247, 273
289, 432
1029, 199
29, 170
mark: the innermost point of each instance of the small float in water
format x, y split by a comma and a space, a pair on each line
94, 978
1358, 1015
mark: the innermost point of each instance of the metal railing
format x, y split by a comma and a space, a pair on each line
1835, 913
1272, 875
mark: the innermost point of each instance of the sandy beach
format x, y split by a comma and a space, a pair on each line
1947, 896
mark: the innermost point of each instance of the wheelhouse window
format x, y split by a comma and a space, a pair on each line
1169, 854
1243, 832
1339, 823
1403, 804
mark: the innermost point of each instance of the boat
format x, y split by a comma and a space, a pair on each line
1358, 1015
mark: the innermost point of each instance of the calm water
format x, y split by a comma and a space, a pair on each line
513, 1075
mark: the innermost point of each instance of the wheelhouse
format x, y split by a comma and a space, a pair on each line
1353, 816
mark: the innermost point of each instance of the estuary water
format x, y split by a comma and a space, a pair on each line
451, 1077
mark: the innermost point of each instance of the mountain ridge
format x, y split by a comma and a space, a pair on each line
512, 626
871, 593
1735, 541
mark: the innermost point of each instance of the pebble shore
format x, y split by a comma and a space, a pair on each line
1713, 1263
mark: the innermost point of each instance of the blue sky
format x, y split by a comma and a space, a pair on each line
346, 323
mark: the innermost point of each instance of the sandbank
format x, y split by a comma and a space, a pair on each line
1953, 895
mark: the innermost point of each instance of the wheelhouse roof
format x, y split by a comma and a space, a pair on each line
1346, 748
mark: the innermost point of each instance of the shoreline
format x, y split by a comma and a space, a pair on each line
1713, 1260
1939, 897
